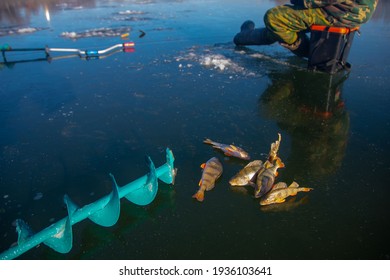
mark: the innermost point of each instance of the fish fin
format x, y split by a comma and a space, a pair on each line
294, 185
203, 165
267, 164
233, 147
199, 196
255, 162
276, 173
307, 189
200, 182
280, 185
208, 141
281, 200
279, 163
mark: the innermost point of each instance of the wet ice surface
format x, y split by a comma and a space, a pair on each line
66, 124
18, 30
235, 62
211, 58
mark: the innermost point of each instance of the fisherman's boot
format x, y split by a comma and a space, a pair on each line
300, 47
251, 36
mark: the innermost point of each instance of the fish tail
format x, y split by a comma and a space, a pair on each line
199, 196
208, 141
279, 163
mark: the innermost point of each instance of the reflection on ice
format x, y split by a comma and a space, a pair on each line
130, 15
131, 12
19, 12
69, 6
131, 18
275, 60
18, 30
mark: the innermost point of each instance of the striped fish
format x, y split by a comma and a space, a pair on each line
266, 179
245, 175
229, 150
212, 170
273, 153
280, 194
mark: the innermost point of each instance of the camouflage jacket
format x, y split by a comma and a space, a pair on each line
349, 13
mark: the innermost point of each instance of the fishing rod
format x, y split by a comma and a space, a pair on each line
126, 47
49, 59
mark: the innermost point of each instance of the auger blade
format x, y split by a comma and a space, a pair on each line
71, 206
147, 192
109, 214
168, 177
23, 230
62, 241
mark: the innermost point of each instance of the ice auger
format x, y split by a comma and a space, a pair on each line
104, 212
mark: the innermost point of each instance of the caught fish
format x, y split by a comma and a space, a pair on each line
273, 153
245, 175
266, 179
212, 170
279, 195
229, 150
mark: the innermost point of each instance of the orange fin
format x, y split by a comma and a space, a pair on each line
279, 163
203, 165
200, 182
199, 196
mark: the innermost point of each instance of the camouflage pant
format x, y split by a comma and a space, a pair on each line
284, 22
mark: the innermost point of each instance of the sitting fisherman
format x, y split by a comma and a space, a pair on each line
288, 24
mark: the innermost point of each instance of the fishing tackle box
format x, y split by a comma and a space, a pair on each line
329, 48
